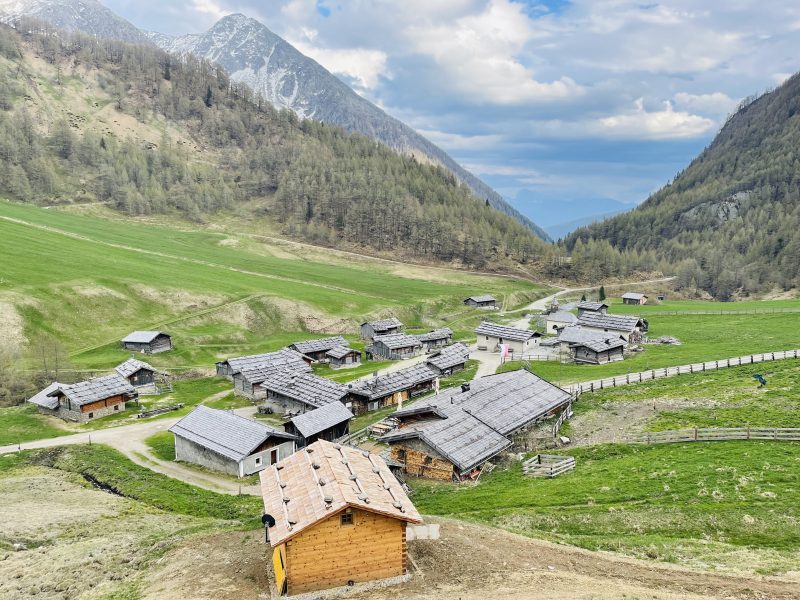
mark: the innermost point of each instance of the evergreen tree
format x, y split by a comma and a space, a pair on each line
601, 294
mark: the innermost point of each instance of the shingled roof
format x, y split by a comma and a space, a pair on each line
483, 298
437, 334
505, 332
383, 385
142, 337
477, 421
384, 324
320, 419
95, 389
340, 352
320, 345
601, 345
592, 306
323, 479
623, 323
305, 387
131, 366
284, 358
225, 433
449, 357
394, 341
43, 398
633, 296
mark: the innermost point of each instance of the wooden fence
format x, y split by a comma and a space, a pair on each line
753, 311
548, 465
158, 411
713, 365
717, 434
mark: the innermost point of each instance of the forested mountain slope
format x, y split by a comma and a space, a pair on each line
83, 119
731, 220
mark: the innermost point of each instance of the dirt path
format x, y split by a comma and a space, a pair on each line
469, 562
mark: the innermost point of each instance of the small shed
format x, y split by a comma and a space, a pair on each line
318, 349
483, 301
370, 329
89, 400
491, 336
634, 298
293, 393
223, 441
599, 351
449, 360
284, 358
329, 422
342, 357
592, 307
438, 338
138, 373
629, 328
395, 346
559, 320
339, 518
148, 342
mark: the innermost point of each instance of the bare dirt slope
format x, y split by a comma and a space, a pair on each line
470, 562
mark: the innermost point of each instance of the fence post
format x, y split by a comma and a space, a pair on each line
640, 376
748, 433
592, 386
695, 434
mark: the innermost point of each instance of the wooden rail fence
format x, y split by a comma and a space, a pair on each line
754, 311
717, 434
158, 411
548, 465
713, 365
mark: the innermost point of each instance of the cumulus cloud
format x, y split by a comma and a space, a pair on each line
715, 103
363, 66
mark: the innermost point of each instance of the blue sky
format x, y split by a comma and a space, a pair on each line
554, 103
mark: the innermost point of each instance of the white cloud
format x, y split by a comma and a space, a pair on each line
209, 8
455, 141
479, 52
363, 65
715, 103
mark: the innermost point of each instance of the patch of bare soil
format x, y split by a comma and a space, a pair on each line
226, 566
12, 326
310, 319
612, 422
180, 299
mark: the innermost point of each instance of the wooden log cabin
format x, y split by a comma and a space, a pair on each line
339, 518
482, 301
449, 360
138, 373
147, 342
225, 442
329, 422
342, 357
370, 329
634, 298
396, 346
629, 328
317, 350
391, 389
283, 358
291, 393
438, 338
450, 436
86, 401
599, 351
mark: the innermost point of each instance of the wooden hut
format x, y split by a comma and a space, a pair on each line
599, 351
318, 349
449, 360
450, 436
519, 341
294, 393
395, 346
138, 373
226, 442
335, 516
342, 357
634, 298
147, 342
87, 400
380, 327
631, 329
587, 306
328, 422
558, 320
284, 358
438, 338
483, 301
390, 389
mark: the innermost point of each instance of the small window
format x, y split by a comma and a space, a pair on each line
91, 415
428, 460
116, 407
401, 455
347, 518
258, 461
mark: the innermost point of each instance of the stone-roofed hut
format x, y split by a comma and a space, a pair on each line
318, 349
343, 357
629, 328
329, 422
449, 360
491, 336
229, 368
452, 435
599, 351
391, 389
370, 329
294, 393
634, 298
482, 301
138, 373
148, 342
340, 517
558, 320
226, 442
87, 400
395, 346
438, 338
587, 306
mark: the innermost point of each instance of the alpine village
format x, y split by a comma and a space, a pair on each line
265, 333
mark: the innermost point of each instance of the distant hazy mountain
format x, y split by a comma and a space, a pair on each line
561, 230
560, 217
253, 54
85, 16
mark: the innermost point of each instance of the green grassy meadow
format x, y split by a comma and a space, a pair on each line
717, 505
88, 281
